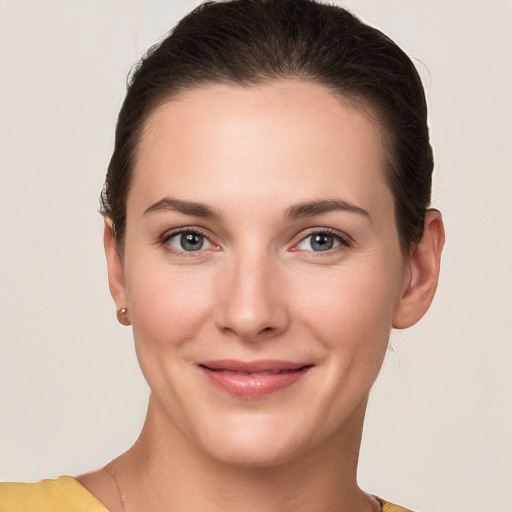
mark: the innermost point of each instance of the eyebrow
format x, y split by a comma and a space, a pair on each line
310, 208
185, 207
296, 211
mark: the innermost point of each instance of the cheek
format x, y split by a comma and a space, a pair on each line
350, 309
167, 305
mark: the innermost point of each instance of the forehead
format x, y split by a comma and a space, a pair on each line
283, 138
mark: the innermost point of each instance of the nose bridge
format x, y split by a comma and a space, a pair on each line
253, 300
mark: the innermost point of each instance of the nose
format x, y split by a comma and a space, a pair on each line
253, 302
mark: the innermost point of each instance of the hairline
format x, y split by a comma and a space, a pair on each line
356, 101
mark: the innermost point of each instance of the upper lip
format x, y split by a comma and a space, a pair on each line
262, 365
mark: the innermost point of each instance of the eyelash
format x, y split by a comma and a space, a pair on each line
343, 240
186, 231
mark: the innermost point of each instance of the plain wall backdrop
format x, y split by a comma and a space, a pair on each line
439, 424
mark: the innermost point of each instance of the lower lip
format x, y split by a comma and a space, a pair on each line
253, 386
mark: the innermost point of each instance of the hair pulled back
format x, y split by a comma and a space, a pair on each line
250, 42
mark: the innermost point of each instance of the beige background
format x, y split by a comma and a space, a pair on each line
438, 434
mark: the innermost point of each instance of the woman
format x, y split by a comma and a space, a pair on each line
266, 225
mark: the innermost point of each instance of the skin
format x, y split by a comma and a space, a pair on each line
258, 290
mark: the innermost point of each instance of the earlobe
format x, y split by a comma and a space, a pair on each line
115, 267
423, 273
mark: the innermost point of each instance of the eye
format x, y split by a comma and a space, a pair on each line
321, 241
189, 241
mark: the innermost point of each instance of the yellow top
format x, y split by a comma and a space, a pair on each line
65, 494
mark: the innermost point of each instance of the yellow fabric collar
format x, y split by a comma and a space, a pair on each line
65, 493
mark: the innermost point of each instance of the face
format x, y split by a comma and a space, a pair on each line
262, 267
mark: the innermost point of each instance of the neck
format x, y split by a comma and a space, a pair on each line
164, 468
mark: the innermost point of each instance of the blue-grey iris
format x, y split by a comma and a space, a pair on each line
191, 241
322, 242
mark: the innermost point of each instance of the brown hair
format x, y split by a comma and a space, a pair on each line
249, 42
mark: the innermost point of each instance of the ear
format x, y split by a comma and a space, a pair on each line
115, 267
423, 273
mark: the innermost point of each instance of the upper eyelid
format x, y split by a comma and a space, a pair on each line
186, 229
330, 231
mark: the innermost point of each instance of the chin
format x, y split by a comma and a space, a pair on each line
254, 455
254, 441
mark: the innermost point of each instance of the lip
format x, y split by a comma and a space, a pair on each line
253, 379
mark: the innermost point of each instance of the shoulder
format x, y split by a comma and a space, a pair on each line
60, 495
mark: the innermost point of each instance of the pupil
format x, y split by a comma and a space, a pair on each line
322, 242
191, 242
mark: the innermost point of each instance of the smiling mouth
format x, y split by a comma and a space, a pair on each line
253, 379
254, 374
